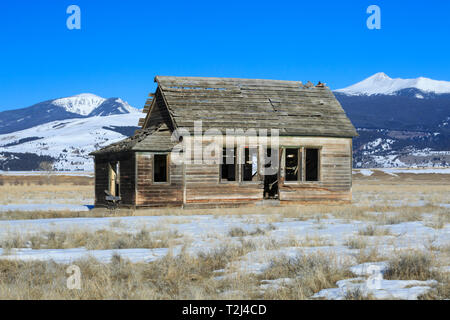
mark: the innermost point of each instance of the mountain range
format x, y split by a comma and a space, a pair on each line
80, 106
400, 122
63, 131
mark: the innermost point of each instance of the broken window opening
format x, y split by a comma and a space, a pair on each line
312, 164
160, 168
114, 178
271, 176
228, 166
250, 165
293, 164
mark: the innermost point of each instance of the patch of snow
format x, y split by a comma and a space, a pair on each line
45, 173
368, 268
43, 207
387, 289
416, 171
71, 255
366, 172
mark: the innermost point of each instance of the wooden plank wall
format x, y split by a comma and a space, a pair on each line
127, 177
159, 112
335, 171
203, 185
149, 194
101, 180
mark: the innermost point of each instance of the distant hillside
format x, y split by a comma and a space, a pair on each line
63, 131
80, 106
399, 125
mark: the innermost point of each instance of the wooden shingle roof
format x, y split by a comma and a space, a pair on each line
293, 108
151, 139
231, 103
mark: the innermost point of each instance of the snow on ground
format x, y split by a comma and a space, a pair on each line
44, 207
202, 233
384, 289
417, 171
395, 171
273, 236
71, 255
366, 172
375, 285
44, 173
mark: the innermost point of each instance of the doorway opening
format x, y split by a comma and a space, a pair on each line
271, 174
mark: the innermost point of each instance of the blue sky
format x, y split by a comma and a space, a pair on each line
122, 45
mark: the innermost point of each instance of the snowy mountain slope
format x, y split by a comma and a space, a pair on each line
380, 83
112, 106
82, 104
69, 141
401, 122
79, 106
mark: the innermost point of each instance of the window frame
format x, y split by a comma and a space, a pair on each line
302, 178
319, 164
241, 165
299, 163
114, 166
167, 168
236, 166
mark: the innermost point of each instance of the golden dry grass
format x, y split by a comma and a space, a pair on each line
173, 277
413, 265
192, 277
310, 273
383, 195
62, 193
96, 240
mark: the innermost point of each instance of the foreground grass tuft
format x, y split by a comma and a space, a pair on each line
98, 240
414, 265
310, 274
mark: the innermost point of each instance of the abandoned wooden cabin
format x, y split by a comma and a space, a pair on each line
313, 154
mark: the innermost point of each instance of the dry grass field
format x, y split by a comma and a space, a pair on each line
398, 224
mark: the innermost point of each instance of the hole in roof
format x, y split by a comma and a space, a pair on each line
197, 88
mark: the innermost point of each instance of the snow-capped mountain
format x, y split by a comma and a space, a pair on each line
79, 106
82, 104
63, 131
396, 127
401, 122
66, 143
380, 83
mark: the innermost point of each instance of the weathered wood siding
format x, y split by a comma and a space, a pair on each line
151, 194
101, 179
158, 113
203, 185
127, 177
200, 185
335, 171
